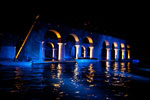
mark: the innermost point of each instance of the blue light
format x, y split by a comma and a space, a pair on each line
135, 61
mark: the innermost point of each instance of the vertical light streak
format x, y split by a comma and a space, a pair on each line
59, 50
91, 52
128, 54
77, 50
107, 54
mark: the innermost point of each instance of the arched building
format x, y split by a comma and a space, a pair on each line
51, 42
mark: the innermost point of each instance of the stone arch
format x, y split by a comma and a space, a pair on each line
49, 50
72, 47
53, 34
54, 37
76, 38
114, 51
107, 43
89, 42
57, 33
105, 53
122, 46
122, 51
128, 52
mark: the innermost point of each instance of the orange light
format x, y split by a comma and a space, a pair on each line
122, 45
107, 43
128, 54
57, 33
52, 45
115, 44
26, 37
89, 39
128, 46
75, 37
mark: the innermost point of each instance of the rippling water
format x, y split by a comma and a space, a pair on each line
74, 81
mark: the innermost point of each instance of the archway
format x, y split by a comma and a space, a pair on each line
53, 35
88, 43
51, 38
122, 52
128, 52
72, 47
105, 51
114, 51
49, 51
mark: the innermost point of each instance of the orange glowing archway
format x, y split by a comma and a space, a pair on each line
89, 39
57, 33
128, 46
107, 43
75, 37
52, 44
115, 44
83, 47
122, 45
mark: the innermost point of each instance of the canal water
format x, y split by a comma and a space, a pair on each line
75, 81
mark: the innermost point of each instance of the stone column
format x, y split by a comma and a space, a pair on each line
123, 54
84, 54
42, 51
108, 53
77, 51
116, 54
91, 51
53, 53
60, 51
128, 51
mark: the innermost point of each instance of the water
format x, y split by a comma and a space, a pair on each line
75, 81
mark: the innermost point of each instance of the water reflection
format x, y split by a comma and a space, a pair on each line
116, 78
69, 81
76, 72
18, 82
90, 75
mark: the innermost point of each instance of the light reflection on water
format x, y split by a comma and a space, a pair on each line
106, 80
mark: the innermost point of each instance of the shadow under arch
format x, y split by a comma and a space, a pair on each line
114, 52
53, 34
128, 52
122, 52
88, 43
51, 38
105, 53
72, 46
49, 51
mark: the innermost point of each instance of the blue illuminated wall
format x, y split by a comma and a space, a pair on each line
7, 52
34, 47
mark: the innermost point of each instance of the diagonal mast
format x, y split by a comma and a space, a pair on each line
26, 37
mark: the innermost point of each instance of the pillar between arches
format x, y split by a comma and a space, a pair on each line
116, 54
60, 51
91, 51
108, 54
77, 51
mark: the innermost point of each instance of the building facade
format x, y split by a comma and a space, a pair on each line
52, 42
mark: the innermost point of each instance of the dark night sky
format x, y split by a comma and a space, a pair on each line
133, 27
